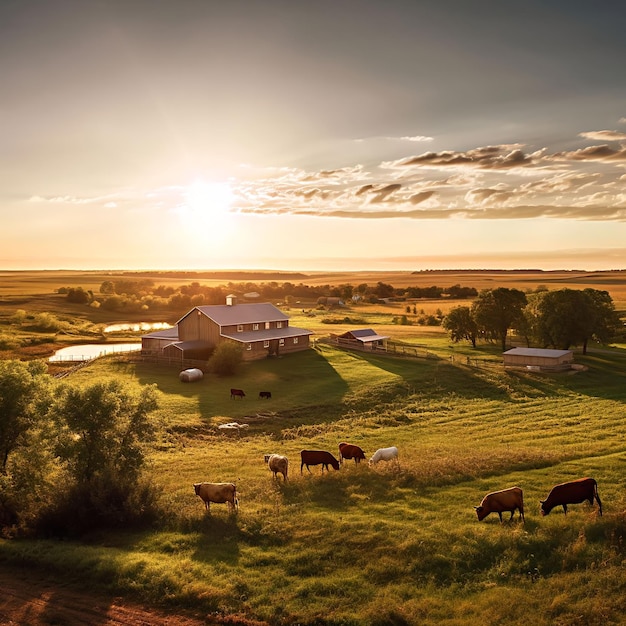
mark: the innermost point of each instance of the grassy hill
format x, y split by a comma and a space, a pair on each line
374, 545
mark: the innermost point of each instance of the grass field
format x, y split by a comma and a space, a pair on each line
374, 545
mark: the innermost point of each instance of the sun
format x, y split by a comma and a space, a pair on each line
209, 203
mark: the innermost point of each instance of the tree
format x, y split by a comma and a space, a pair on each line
571, 317
461, 325
226, 359
497, 310
103, 428
24, 399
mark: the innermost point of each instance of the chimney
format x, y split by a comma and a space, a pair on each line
231, 300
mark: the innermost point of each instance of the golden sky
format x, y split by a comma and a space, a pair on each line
312, 135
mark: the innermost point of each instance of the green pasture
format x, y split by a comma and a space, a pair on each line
373, 545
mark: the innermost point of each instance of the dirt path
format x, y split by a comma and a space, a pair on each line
32, 601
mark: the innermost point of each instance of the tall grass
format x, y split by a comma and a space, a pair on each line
382, 544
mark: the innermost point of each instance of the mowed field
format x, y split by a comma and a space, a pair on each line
373, 545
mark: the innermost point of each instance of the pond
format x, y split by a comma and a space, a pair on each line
87, 351
136, 327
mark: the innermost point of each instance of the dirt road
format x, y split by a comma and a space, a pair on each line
29, 601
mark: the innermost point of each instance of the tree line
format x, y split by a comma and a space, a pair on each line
558, 319
144, 294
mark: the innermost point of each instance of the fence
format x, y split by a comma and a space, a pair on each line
394, 348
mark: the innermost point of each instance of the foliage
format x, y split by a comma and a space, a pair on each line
24, 397
226, 358
571, 317
461, 325
497, 310
104, 428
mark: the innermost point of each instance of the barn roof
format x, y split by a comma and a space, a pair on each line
167, 333
538, 352
227, 315
364, 335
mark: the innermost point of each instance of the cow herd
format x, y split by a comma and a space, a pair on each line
512, 499
504, 501
240, 393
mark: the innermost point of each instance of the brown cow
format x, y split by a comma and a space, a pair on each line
573, 492
500, 501
218, 493
237, 393
350, 451
317, 457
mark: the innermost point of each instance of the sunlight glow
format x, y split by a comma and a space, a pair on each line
209, 202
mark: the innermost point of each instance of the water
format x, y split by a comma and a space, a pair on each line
87, 351
136, 327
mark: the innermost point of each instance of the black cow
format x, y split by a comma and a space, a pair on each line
265, 394
237, 393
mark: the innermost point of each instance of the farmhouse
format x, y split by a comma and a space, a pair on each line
261, 328
364, 339
539, 359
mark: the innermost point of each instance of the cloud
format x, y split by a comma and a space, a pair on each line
604, 135
592, 153
487, 157
416, 138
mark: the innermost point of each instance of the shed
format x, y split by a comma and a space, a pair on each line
364, 338
539, 359
191, 375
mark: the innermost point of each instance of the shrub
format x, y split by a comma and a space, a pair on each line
226, 359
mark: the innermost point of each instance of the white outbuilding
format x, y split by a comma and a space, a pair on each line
539, 359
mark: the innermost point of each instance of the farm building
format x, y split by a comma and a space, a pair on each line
261, 328
539, 359
364, 338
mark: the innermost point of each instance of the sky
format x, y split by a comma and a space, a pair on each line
327, 135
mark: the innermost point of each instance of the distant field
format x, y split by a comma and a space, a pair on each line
39, 282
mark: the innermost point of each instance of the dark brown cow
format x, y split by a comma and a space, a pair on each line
265, 394
237, 393
350, 451
573, 492
501, 501
317, 457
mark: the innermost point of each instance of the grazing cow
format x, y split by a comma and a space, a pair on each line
318, 457
573, 492
350, 451
384, 454
500, 501
265, 394
278, 464
219, 493
237, 393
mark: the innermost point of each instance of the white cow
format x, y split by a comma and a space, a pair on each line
278, 464
384, 454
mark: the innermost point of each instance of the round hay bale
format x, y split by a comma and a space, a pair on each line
191, 375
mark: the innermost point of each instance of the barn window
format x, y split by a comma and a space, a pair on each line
239, 328
279, 324
281, 342
255, 327
295, 340
248, 346
266, 343
267, 325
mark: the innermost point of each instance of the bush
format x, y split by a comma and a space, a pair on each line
106, 501
226, 359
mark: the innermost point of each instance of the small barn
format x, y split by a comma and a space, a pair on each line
364, 338
539, 359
